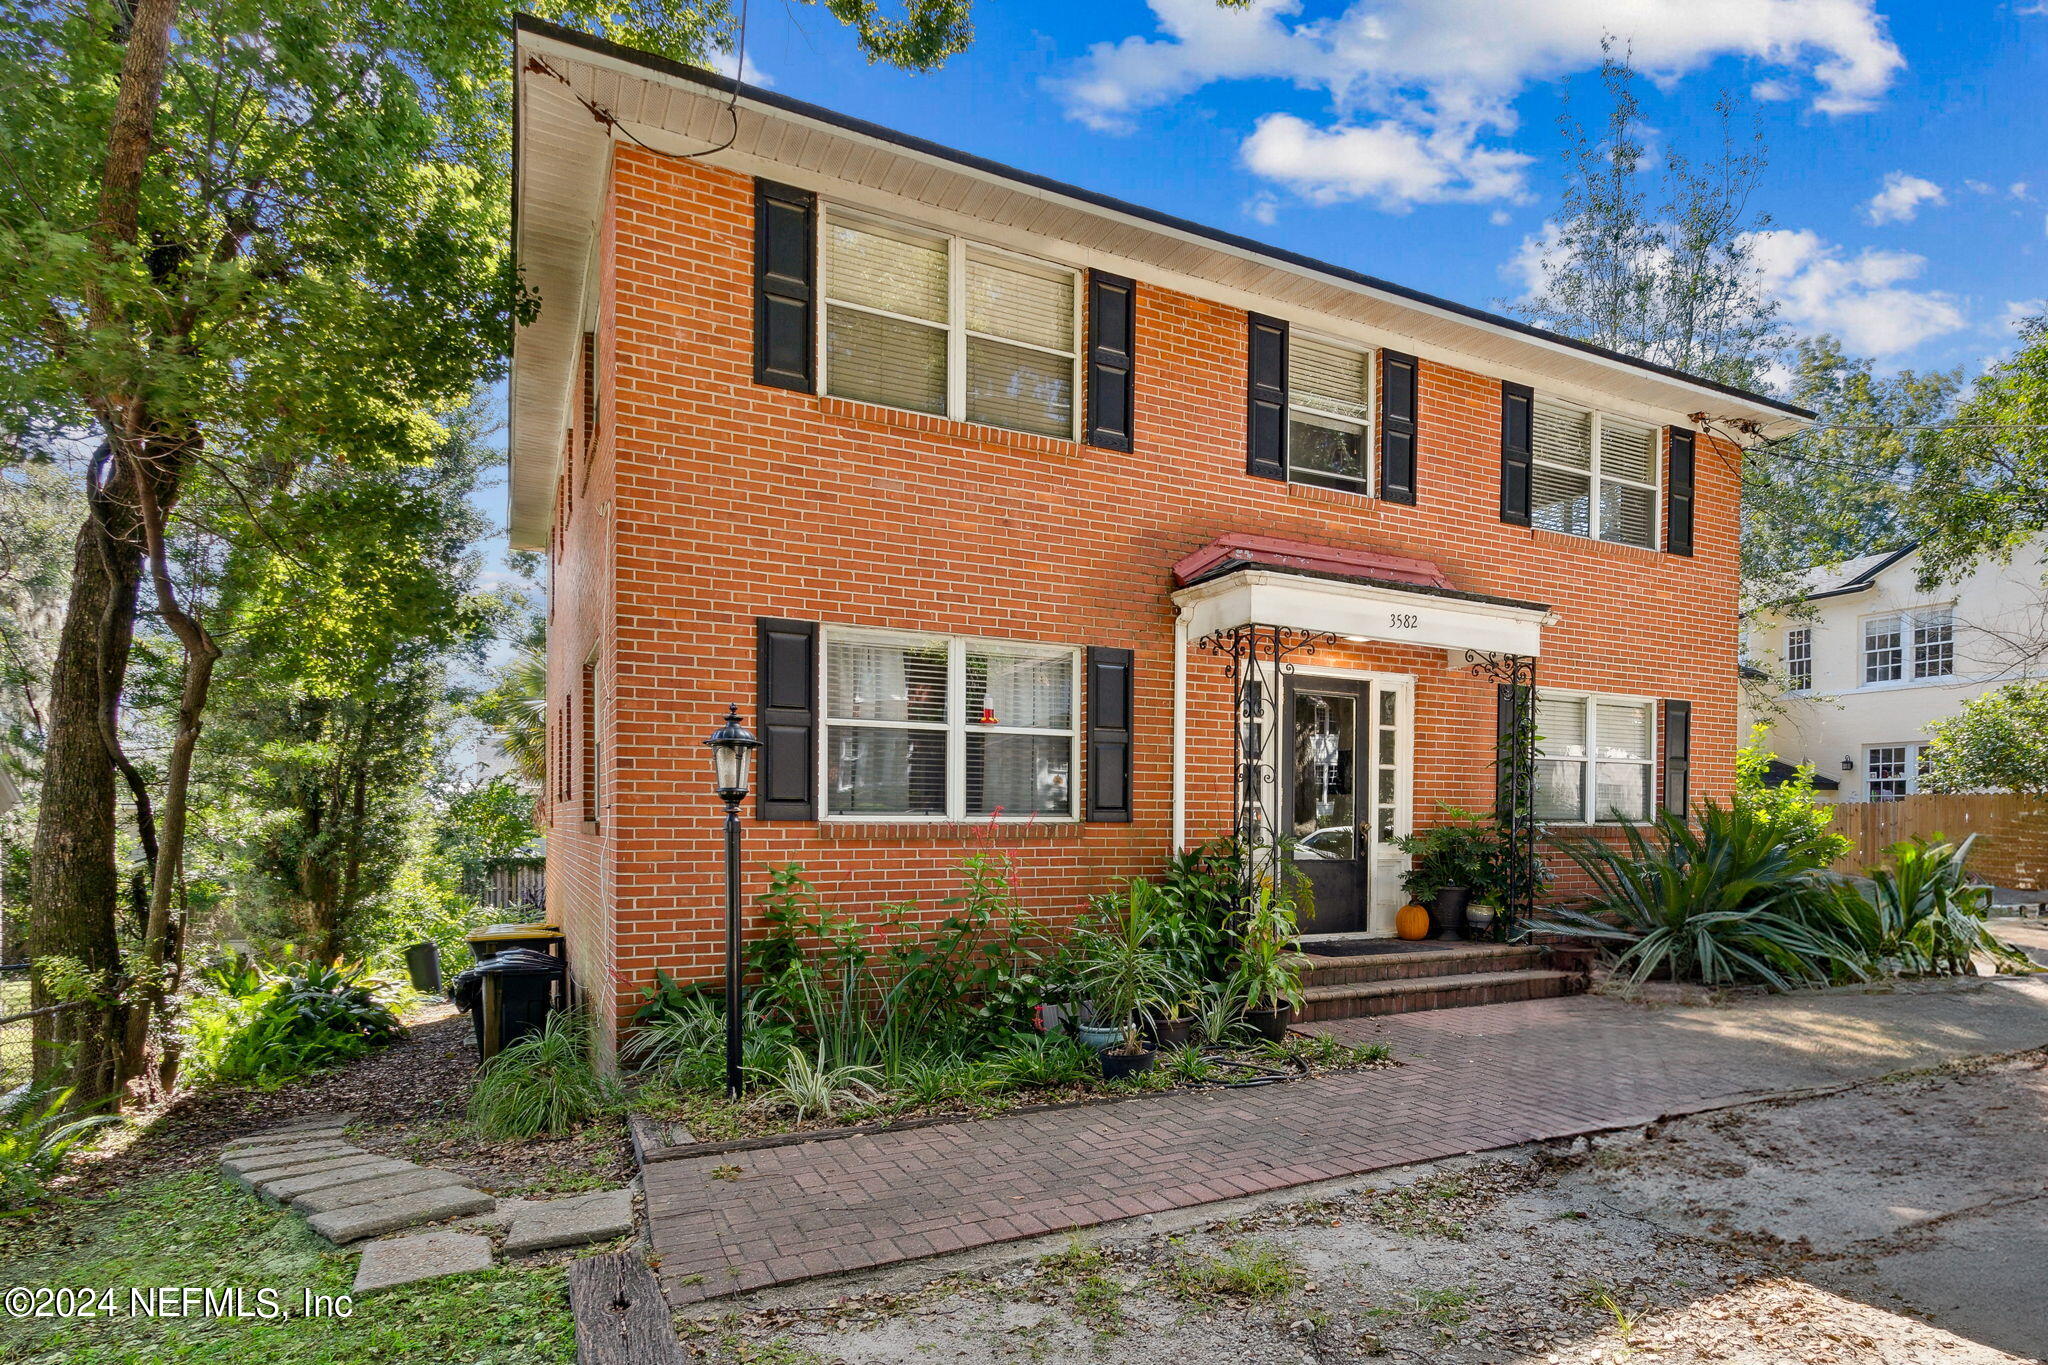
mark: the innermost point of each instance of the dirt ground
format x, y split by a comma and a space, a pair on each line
1901, 1222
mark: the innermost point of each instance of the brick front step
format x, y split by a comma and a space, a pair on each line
1358, 1000
1452, 960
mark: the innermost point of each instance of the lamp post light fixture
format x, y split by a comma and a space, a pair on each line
732, 748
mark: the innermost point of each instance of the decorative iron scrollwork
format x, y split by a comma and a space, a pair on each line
1515, 780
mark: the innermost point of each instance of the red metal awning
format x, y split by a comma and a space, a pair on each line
1273, 552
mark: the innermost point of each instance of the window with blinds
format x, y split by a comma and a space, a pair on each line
930, 727
1595, 758
931, 323
1593, 475
1329, 398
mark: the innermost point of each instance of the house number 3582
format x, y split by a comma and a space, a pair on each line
1402, 620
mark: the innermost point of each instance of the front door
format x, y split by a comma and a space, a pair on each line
1325, 760
1344, 768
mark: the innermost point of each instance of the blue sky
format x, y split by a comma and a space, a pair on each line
1418, 139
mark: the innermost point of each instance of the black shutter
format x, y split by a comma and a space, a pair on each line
786, 677
1678, 757
1112, 347
1503, 730
1678, 494
1517, 418
785, 274
1109, 735
1265, 454
1397, 427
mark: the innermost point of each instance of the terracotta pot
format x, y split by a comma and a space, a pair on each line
1411, 922
1270, 1024
1117, 1066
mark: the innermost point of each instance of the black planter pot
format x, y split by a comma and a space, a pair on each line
1271, 1024
1166, 1033
1117, 1066
1447, 913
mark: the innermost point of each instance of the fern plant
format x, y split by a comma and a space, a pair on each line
35, 1135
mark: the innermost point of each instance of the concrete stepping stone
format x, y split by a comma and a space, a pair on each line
283, 1191
421, 1256
584, 1218
243, 1151
397, 1212
340, 1196
258, 1170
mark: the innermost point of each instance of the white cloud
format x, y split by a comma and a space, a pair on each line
1263, 209
1432, 82
1900, 198
1979, 187
2018, 311
729, 64
1389, 163
1500, 218
1862, 298
2018, 189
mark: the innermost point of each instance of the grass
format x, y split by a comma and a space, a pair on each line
193, 1229
1257, 1271
1422, 1209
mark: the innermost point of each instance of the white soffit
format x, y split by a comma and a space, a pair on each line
564, 155
1366, 611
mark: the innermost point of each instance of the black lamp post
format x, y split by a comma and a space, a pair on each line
732, 748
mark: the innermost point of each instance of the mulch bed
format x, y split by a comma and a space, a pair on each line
409, 1100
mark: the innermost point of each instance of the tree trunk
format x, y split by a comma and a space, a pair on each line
74, 887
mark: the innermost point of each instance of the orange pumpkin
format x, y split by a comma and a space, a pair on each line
1412, 922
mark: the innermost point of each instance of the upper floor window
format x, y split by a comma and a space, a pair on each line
929, 726
1594, 758
1799, 657
936, 324
1593, 474
1329, 414
1923, 641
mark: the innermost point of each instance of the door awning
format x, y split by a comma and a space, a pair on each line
1332, 591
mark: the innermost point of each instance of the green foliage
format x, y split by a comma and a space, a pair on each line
1258, 1271
1923, 917
1736, 897
1463, 849
35, 1133
806, 1085
1121, 965
1789, 807
545, 1082
1044, 1060
265, 1026
1998, 742
1200, 891
515, 707
1268, 970
424, 903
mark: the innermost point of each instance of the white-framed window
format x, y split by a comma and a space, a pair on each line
1329, 413
1917, 644
1891, 771
932, 323
1593, 474
1595, 758
1799, 658
933, 727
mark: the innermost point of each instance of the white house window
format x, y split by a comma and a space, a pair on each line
1594, 758
920, 726
1923, 642
931, 323
1329, 400
1892, 771
1594, 475
1799, 657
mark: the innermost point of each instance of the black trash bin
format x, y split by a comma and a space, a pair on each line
508, 996
423, 965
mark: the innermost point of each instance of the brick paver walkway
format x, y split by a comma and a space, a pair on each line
1471, 1079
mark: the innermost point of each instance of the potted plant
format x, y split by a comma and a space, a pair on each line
1124, 973
1268, 974
1453, 861
1172, 1024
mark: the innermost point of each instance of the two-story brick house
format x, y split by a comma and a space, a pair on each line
958, 479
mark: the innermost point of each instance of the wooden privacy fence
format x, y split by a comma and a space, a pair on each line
521, 882
2011, 829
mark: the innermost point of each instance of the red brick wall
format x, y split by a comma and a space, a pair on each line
731, 501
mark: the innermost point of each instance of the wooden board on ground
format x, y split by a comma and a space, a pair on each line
621, 1316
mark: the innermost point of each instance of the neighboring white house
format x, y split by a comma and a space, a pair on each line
1851, 675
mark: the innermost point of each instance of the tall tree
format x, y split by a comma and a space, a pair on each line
232, 227
1672, 277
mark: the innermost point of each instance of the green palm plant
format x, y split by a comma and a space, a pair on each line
1728, 899
516, 706
1924, 917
